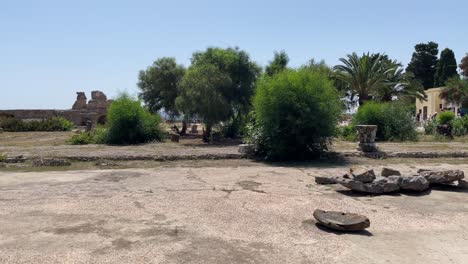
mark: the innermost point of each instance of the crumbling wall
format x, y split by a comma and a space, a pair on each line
94, 110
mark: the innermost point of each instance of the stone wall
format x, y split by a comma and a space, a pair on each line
95, 110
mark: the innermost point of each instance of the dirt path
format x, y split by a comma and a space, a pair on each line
222, 214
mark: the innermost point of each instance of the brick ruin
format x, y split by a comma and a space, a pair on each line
94, 110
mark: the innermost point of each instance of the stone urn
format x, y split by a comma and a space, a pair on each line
367, 135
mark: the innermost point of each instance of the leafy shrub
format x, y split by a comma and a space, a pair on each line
82, 138
445, 118
430, 127
394, 121
460, 126
129, 123
51, 124
347, 133
295, 112
2, 157
97, 136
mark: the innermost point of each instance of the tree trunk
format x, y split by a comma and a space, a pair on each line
363, 98
207, 133
183, 132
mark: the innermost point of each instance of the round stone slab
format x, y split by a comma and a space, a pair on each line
341, 221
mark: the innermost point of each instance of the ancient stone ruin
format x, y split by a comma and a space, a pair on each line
82, 112
367, 135
365, 181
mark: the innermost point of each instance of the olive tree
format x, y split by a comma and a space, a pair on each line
203, 90
159, 87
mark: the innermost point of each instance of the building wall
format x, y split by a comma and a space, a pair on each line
433, 103
95, 110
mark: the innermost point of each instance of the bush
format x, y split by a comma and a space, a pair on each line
295, 112
347, 133
394, 121
445, 118
2, 157
460, 126
51, 124
430, 127
129, 123
97, 136
82, 138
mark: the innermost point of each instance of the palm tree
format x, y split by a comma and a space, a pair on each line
456, 91
375, 76
361, 74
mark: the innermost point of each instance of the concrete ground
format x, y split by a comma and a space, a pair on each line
226, 212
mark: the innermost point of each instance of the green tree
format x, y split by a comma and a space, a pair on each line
279, 63
362, 75
423, 63
159, 87
398, 84
235, 63
456, 91
243, 72
203, 90
464, 66
376, 77
446, 67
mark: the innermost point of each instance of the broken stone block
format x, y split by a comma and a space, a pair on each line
175, 138
364, 176
462, 184
378, 186
50, 162
17, 159
413, 183
341, 221
389, 172
246, 149
447, 176
324, 180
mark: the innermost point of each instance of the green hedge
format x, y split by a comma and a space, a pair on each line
394, 120
11, 124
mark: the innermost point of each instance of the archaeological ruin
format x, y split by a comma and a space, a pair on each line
82, 111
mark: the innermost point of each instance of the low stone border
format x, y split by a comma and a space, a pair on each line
422, 155
372, 155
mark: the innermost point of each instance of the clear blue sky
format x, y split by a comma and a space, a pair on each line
51, 49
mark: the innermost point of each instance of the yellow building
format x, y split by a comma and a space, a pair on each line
433, 104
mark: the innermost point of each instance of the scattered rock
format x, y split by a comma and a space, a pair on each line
105, 164
413, 183
443, 176
341, 221
325, 180
50, 162
364, 176
246, 149
462, 184
175, 138
17, 159
378, 186
389, 172
422, 170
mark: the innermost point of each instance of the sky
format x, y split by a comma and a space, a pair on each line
49, 50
